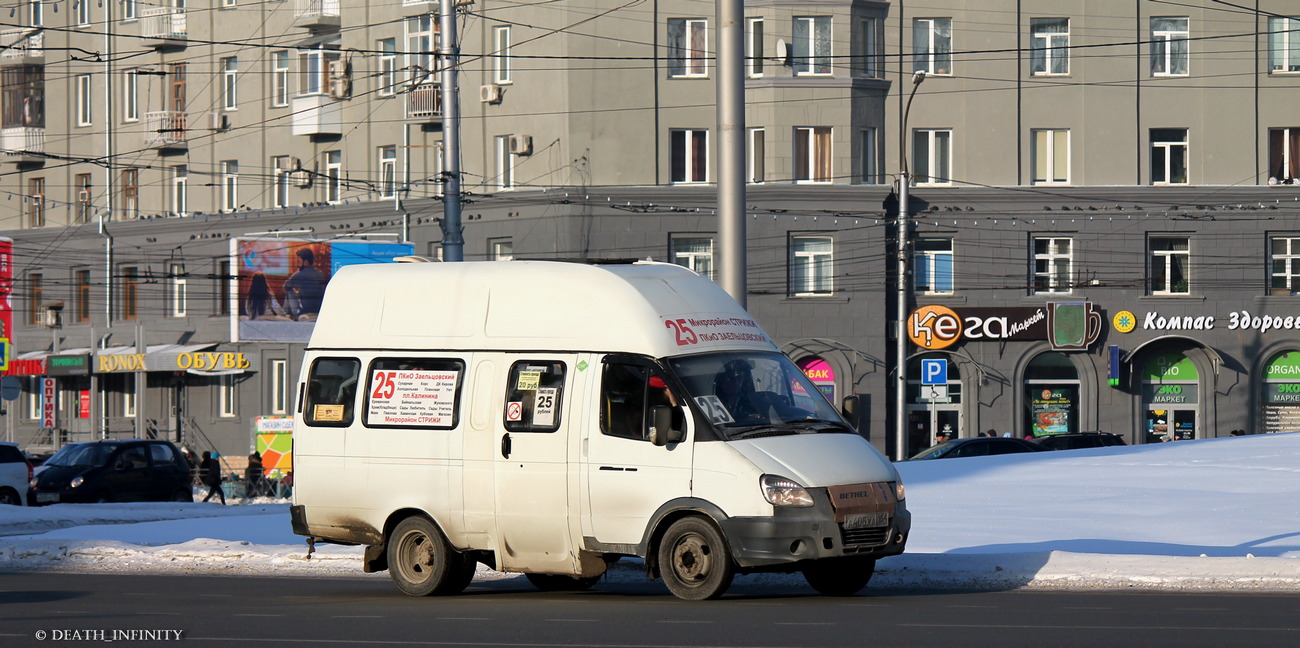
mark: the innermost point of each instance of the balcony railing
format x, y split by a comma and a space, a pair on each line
424, 101
163, 25
21, 45
23, 143
165, 129
316, 13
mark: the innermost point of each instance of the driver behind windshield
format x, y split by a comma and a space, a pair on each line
734, 386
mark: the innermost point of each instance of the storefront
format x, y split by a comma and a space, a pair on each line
1280, 411
1170, 398
1052, 395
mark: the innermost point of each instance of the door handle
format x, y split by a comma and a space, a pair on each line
505, 445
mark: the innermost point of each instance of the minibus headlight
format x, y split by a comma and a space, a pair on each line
780, 491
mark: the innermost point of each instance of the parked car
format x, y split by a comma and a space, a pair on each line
114, 471
977, 447
1077, 440
15, 472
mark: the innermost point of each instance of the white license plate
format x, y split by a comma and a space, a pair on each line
866, 520
47, 497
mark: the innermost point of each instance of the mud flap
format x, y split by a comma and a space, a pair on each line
375, 558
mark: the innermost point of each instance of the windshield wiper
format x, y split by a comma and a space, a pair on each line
819, 425
735, 434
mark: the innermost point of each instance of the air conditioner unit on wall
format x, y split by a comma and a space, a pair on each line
490, 93
521, 144
340, 80
219, 121
300, 178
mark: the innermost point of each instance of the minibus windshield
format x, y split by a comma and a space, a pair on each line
751, 394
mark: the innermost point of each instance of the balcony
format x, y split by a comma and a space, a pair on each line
23, 144
22, 47
317, 114
165, 130
163, 27
424, 102
316, 15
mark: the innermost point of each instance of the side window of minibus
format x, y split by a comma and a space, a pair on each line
331, 392
534, 396
628, 395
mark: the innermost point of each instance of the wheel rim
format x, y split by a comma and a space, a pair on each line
692, 559
415, 555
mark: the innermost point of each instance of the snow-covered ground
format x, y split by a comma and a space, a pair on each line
1211, 514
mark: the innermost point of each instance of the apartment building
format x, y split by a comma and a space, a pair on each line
1106, 157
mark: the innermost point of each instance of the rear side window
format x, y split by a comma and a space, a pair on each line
10, 454
414, 392
331, 392
162, 455
132, 458
534, 395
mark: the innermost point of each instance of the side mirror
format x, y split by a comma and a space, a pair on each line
849, 409
665, 427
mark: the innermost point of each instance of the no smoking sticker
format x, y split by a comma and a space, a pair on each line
514, 411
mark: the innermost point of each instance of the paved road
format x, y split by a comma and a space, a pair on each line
50, 609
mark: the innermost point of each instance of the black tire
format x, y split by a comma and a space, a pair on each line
183, 495
559, 583
422, 563
10, 497
840, 577
694, 560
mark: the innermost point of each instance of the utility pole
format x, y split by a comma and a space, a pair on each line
904, 239
731, 147
453, 243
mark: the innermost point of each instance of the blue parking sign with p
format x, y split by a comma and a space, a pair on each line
934, 372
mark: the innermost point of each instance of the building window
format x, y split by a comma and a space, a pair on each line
754, 47
83, 198
931, 156
420, 43
129, 9
36, 202
387, 171
229, 185
387, 66
1170, 259
501, 249
870, 156
1286, 265
932, 266
1169, 156
131, 96
1053, 264
36, 16
130, 292
177, 289
690, 155
333, 176
23, 92
128, 395
229, 83
812, 45
1049, 52
688, 47
226, 396
501, 54
692, 251
1169, 38
180, 190
756, 173
314, 70
280, 181
280, 78
812, 265
177, 74
222, 292
279, 386
1051, 157
130, 193
84, 106
1283, 45
505, 163
36, 299
81, 296
871, 63
1284, 155
812, 154
83, 13
932, 45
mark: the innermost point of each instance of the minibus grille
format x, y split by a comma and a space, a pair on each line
859, 539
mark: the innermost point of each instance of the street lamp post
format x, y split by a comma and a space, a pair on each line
900, 370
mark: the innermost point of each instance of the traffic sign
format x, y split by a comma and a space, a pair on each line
10, 388
934, 372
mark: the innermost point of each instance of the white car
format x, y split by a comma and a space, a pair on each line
15, 472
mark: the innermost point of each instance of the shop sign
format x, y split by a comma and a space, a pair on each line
1243, 320
49, 402
68, 365
1284, 367
1171, 394
27, 367
1050, 410
1170, 366
212, 361
197, 361
1069, 326
1282, 393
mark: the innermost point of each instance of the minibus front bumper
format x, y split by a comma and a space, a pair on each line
794, 535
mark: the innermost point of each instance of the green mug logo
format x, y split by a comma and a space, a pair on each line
1072, 326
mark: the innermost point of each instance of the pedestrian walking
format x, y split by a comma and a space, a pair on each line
210, 473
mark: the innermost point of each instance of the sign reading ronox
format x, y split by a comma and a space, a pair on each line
1069, 326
